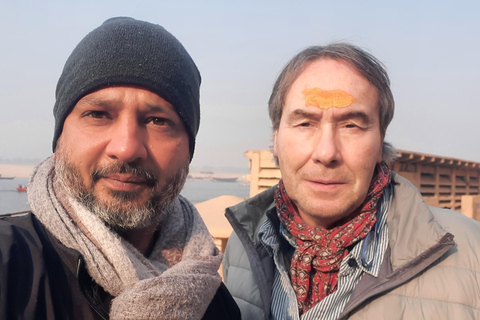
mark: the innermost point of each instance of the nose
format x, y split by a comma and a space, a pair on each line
326, 148
127, 142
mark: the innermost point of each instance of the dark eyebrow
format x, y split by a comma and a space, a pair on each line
95, 101
302, 113
351, 115
108, 103
160, 108
355, 115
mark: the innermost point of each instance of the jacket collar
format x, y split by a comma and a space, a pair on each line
70, 257
249, 215
410, 218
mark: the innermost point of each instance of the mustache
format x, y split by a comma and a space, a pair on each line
149, 176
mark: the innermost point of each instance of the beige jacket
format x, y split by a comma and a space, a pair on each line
430, 286
431, 268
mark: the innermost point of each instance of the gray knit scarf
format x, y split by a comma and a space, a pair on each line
177, 281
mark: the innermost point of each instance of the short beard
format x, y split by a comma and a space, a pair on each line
121, 213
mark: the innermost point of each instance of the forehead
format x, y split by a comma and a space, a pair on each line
332, 75
124, 94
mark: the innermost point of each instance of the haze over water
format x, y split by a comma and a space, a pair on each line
10, 199
196, 191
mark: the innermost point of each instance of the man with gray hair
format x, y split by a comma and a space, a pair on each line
109, 235
341, 236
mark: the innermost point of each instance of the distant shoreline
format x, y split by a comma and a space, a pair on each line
24, 171
16, 170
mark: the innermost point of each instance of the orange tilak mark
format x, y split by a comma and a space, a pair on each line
325, 99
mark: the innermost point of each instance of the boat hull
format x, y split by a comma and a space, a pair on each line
218, 179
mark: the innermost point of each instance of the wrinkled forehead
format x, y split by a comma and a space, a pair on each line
327, 83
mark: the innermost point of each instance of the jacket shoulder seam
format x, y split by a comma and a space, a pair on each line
434, 300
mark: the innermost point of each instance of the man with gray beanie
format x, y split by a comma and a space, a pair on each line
109, 236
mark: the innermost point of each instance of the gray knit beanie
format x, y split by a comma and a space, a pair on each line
125, 51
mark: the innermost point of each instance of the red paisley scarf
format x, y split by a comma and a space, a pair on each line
316, 261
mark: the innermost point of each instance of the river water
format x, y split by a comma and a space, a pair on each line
196, 191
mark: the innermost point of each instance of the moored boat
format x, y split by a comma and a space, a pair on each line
225, 179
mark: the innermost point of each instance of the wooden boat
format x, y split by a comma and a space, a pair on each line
222, 179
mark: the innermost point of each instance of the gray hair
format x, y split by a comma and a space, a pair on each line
365, 63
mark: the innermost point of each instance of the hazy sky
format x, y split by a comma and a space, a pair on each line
430, 48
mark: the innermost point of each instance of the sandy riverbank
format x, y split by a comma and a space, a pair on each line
16, 170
